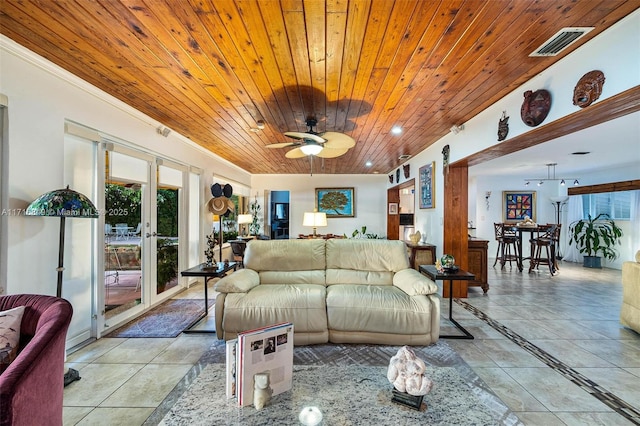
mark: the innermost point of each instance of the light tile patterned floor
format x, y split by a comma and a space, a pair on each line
524, 324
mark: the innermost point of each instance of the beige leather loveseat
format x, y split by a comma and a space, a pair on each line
337, 290
630, 312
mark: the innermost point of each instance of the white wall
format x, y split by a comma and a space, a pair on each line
369, 193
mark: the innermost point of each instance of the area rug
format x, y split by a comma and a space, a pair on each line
165, 320
347, 382
352, 395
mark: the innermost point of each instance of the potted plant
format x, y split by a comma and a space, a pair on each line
593, 236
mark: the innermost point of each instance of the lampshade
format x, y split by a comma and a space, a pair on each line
244, 218
311, 148
560, 199
62, 203
314, 219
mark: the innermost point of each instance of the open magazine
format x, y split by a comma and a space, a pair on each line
264, 350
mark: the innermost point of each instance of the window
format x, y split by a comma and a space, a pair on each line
616, 204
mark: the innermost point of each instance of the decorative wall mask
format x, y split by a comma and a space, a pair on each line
391, 178
535, 107
445, 160
406, 171
588, 89
397, 175
503, 126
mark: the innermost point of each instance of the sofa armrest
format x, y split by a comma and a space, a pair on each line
239, 282
414, 283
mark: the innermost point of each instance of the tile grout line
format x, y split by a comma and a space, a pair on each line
617, 404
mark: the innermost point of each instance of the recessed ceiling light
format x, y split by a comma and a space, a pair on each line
396, 130
368, 164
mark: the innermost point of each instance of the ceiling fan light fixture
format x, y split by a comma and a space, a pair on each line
311, 149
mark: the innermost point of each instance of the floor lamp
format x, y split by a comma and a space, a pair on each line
63, 203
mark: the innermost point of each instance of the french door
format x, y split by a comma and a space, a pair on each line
142, 229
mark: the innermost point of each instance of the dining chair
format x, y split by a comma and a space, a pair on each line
507, 245
238, 247
546, 239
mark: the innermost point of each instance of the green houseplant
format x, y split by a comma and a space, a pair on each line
595, 235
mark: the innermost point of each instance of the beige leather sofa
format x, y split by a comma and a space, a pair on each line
630, 312
336, 290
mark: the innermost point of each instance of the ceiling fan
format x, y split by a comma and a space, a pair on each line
325, 145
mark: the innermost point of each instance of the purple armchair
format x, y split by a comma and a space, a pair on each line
31, 388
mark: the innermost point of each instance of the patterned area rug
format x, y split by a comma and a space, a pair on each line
347, 383
165, 320
353, 395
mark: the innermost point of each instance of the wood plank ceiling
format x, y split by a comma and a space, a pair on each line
211, 70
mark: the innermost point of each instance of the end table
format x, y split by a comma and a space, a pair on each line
459, 275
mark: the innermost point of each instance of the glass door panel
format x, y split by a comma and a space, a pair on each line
126, 185
167, 240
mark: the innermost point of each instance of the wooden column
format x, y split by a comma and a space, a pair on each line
456, 200
393, 220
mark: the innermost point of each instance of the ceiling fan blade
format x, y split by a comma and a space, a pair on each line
337, 140
295, 153
282, 145
332, 152
307, 136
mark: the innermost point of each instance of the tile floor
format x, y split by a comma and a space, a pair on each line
550, 347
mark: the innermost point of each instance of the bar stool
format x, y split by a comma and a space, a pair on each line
546, 240
507, 240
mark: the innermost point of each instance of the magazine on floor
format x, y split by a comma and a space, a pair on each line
264, 350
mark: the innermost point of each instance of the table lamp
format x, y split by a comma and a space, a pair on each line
243, 219
314, 219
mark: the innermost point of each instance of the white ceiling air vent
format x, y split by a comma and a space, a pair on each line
404, 157
560, 40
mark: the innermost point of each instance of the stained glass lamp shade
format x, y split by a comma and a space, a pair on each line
62, 203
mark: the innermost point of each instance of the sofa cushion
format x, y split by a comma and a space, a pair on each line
292, 277
239, 282
350, 276
381, 309
367, 255
414, 283
10, 322
303, 305
285, 255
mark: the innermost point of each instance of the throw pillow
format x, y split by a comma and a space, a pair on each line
9, 335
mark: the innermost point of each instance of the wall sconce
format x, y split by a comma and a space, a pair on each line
457, 129
487, 195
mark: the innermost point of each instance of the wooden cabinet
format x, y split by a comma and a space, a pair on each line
478, 263
421, 254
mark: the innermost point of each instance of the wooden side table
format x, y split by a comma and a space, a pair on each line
459, 275
421, 254
219, 270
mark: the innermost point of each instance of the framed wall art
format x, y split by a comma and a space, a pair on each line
393, 208
427, 186
336, 202
518, 204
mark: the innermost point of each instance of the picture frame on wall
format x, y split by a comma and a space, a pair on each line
427, 186
336, 202
393, 208
516, 205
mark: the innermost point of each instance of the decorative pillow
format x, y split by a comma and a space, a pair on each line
9, 335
